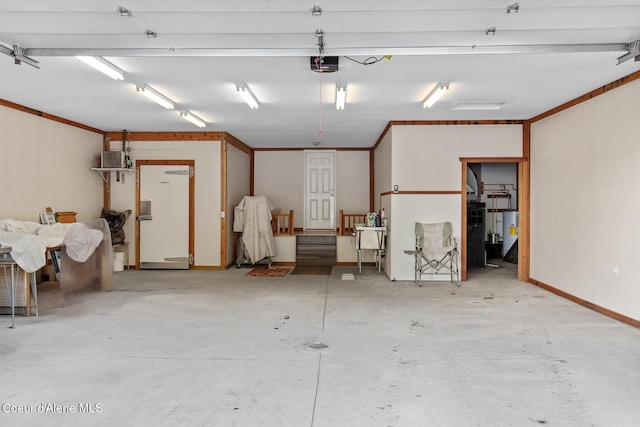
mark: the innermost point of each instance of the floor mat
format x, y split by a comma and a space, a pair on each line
269, 272
320, 270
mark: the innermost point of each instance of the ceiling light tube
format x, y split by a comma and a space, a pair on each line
188, 115
247, 95
341, 96
435, 94
478, 106
103, 66
155, 96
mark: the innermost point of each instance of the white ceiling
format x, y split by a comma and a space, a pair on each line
204, 47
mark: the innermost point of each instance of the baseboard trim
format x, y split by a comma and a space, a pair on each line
604, 311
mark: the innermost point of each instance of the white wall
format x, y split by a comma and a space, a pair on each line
407, 209
47, 163
382, 161
426, 158
207, 158
352, 179
279, 175
285, 249
238, 186
585, 200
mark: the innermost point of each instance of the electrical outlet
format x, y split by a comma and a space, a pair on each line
615, 270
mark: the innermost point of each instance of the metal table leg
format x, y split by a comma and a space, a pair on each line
34, 290
12, 296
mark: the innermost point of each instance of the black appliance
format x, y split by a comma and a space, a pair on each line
476, 254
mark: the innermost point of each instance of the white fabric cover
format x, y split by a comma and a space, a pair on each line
26, 249
370, 238
29, 241
81, 242
252, 217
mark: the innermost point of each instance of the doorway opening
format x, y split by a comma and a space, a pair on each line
491, 216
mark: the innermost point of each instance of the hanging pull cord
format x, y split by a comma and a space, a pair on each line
317, 61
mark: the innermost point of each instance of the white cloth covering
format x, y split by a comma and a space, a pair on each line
26, 250
253, 217
29, 241
81, 241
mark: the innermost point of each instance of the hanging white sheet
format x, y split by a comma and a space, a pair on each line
253, 217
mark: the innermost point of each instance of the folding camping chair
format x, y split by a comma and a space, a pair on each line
436, 252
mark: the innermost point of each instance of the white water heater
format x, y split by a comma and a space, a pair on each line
509, 230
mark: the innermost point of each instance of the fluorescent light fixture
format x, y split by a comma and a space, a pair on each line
435, 94
103, 66
188, 115
155, 96
341, 96
478, 106
247, 95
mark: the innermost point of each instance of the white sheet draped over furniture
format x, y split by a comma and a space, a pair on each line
30, 240
252, 217
87, 253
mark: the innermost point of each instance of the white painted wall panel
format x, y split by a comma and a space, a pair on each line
352, 181
407, 209
427, 158
585, 204
238, 186
279, 175
285, 249
47, 163
382, 168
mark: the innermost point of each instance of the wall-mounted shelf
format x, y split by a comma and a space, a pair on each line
101, 170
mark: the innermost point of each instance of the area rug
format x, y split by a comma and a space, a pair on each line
269, 272
315, 270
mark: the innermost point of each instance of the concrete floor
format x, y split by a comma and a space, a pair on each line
206, 348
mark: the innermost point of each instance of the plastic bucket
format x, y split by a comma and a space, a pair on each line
118, 261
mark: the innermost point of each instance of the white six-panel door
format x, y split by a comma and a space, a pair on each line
320, 190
